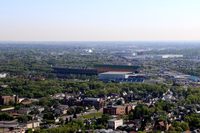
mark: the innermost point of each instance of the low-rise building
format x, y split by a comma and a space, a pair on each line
26, 101
7, 100
24, 111
61, 110
3, 75
114, 123
32, 124
9, 124
117, 110
96, 102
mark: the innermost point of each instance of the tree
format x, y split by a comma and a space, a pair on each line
180, 126
24, 118
66, 121
79, 109
35, 112
193, 120
75, 115
48, 116
164, 105
5, 117
70, 111
62, 121
103, 120
140, 111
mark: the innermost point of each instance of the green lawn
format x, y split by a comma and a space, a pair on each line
92, 115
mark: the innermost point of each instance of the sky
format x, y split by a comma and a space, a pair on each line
99, 20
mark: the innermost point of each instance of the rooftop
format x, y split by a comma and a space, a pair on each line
116, 72
117, 66
115, 119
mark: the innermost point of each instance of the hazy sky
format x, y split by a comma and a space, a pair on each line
99, 20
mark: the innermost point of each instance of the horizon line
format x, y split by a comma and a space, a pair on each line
101, 41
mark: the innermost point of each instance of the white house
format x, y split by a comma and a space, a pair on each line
3, 75
114, 123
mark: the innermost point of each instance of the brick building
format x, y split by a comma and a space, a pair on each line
117, 110
7, 100
96, 102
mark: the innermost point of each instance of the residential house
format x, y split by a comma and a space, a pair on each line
96, 102
32, 125
7, 100
114, 123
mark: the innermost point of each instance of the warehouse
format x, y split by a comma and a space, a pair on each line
121, 77
109, 76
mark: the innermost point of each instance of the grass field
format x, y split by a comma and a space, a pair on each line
92, 115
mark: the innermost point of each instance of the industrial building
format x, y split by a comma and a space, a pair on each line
64, 72
113, 72
121, 77
119, 68
114, 75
